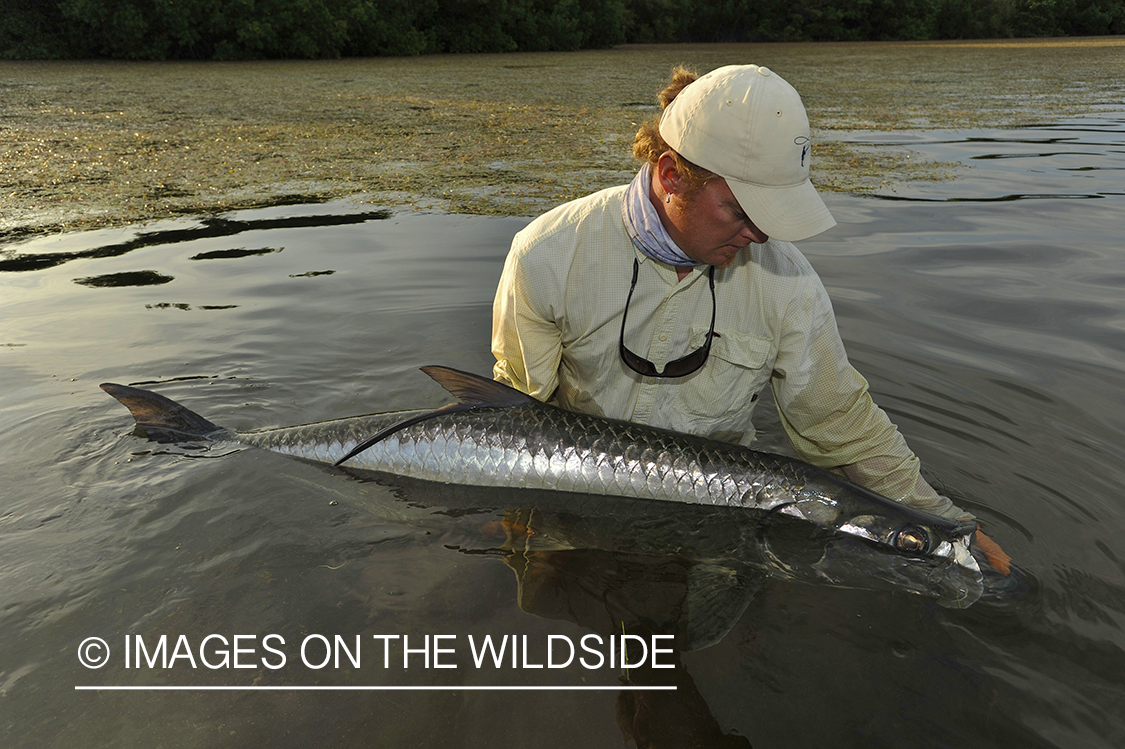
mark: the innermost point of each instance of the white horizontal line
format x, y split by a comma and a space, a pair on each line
371, 689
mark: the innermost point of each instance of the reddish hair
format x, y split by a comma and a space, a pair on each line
649, 146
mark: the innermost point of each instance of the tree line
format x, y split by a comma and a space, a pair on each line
252, 29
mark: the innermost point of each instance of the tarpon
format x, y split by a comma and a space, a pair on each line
496, 436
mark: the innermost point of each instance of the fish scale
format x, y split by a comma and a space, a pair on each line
506, 447
538, 446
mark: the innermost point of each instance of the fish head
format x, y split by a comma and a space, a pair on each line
914, 556
882, 543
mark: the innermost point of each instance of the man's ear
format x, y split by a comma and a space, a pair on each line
671, 181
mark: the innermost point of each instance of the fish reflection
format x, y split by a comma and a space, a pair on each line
644, 594
611, 592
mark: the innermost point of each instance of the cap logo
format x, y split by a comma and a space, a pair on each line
803, 141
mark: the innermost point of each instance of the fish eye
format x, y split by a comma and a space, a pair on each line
912, 539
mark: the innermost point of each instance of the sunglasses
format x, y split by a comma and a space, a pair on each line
681, 367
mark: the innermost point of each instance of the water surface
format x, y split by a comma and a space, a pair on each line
986, 312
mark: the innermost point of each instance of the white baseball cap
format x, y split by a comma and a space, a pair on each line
748, 125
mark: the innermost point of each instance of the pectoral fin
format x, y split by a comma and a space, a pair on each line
716, 598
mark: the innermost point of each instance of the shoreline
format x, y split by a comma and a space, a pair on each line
100, 144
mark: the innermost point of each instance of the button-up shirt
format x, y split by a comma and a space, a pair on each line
557, 322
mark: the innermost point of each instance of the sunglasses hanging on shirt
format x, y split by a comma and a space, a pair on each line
681, 367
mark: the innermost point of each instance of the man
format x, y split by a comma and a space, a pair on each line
674, 300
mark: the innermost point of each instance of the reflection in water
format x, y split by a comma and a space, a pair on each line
130, 278
621, 592
183, 306
697, 600
671, 720
210, 227
230, 254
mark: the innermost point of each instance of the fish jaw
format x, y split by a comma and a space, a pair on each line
955, 582
906, 548
841, 560
963, 582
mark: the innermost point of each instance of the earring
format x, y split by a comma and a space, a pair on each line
668, 198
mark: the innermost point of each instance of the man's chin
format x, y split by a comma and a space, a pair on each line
727, 263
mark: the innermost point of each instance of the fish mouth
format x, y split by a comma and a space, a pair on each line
961, 583
950, 575
953, 579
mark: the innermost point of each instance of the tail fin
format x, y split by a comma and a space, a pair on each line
162, 419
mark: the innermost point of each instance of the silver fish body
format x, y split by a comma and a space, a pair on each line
542, 447
495, 436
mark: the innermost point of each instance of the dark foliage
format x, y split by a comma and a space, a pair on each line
242, 29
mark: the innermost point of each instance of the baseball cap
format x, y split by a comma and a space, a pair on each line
748, 125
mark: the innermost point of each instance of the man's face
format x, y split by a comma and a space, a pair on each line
710, 226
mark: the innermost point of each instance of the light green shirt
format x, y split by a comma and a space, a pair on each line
557, 320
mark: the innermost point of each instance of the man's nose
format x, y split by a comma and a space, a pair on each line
753, 233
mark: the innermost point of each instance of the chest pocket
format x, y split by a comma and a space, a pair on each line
725, 389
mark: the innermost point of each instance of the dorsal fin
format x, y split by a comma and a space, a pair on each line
162, 419
474, 390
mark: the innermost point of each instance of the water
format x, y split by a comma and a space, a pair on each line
986, 312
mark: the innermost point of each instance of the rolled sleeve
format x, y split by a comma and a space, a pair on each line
828, 413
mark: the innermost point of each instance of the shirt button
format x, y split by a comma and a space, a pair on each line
663, 336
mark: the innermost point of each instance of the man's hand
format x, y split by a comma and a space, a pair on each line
996, 556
